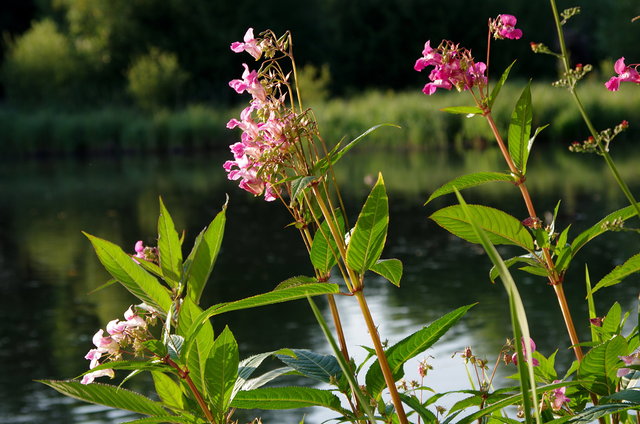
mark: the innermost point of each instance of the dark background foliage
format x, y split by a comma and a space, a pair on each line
366, 43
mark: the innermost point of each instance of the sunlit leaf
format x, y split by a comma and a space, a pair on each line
496, 89
105, 394
601, 227
599, 366
222, 371
285, 398
500, 227
296, 281
183, 418
528, 259
631, 266
470, 180
169, 391
463, 110
520, 130
201, 260
391, 269
297, 187
370, 232
170, 250
592, 414
121, 267
324, 251
409, 347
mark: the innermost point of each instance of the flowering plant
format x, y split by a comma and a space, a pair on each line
198, 376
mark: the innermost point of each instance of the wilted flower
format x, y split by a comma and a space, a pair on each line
625, 73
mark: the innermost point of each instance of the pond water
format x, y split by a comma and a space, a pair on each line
48, 268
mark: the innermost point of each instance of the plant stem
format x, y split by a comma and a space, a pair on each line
382, 358
184, 374
554, 278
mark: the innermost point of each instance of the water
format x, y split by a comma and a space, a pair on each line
48, 269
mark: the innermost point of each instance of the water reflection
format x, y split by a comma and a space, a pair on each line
47, 267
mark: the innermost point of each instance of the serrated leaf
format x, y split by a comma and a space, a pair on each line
265, 378
463, 110
391, 269
222, 371
297, 187
285, 398
108, 395
631, 266
628, 395
168, 390
183, 418
246, 368
169, 247
409, 347
598, 369
496, 89
297, 281
599, 228
592, 414
136, 280
201, 260
174, 346
470, 180
324, 251
500, 227
332, 158
314, 365
415, 404
370, 232
520, 130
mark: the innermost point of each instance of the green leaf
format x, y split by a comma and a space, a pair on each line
498, 86
323, 164
520, 130
297, 187
417, 406
592, 414
611, 322
324, 251
314, 365
108, 395
528, 259
222, 371
199, 264
246, 368
285, 398
599, 228
628, 395
269, 298
391, 269
174, 346
599, 366
169, 247
500, 227
463, 110
409, 347
470, 180
297, 281
168, 390
263, 379
121, 267
183, 418
131, 365
370, 232
631, 266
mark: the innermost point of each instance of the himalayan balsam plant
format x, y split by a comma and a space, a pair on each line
198, 375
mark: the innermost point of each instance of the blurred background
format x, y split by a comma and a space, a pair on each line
105, 105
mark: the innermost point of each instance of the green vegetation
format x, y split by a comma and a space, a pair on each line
200, 127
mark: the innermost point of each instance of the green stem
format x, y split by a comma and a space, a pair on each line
594, 133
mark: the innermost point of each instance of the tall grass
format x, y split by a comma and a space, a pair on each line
423, 125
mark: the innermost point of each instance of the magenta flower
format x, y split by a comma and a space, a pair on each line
504, 27
532, 345
558, 397
250, 45
625, 73
250, 84
453, 67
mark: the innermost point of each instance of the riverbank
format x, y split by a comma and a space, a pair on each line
120, 130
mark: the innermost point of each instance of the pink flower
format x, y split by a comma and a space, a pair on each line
504, 27
88, 378
430, 57
250, 45
532, 345
628, 360
558, 397
250, 84
625, 73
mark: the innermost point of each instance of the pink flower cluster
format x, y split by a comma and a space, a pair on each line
625, 73
121, 333
558, 397
628, 360
145, 252
265, 123
453, 67
504, 27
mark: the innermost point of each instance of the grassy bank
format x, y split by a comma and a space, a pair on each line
423, 125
